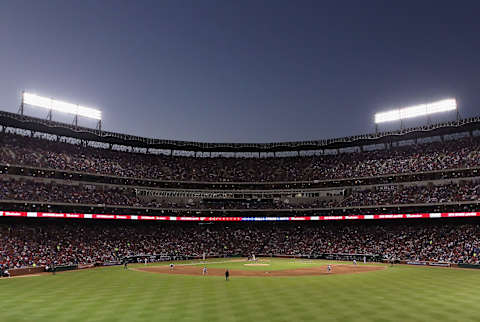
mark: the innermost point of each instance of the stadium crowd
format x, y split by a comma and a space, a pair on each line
24, 244
22, 150
429, 194
38, 191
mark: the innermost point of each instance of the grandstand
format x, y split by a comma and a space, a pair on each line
54, 170
428, 169
455, 241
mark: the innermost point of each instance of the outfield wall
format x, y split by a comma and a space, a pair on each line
469, 266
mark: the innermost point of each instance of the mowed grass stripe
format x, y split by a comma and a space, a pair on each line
399, 293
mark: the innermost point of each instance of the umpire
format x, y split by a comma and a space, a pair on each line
227, 274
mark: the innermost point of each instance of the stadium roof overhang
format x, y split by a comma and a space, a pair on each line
83, 133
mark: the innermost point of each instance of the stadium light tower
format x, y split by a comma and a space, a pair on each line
416, 111
61, 106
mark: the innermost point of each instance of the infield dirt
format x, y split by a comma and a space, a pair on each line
304, 271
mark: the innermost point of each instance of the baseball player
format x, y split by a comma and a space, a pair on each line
329, 268
171, 266
204, 271
355, 262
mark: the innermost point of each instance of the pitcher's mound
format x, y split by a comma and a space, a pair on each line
304, 271
256, 264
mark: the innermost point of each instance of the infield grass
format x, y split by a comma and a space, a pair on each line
399, 293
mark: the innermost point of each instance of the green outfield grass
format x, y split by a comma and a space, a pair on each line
399, 293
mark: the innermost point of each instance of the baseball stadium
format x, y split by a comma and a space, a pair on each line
104, 226
242, 161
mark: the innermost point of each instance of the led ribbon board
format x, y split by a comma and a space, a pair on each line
417, 110
60, 106
226, 219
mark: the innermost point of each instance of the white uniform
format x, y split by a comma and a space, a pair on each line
205, 271
329, 268
171, 267
354, 262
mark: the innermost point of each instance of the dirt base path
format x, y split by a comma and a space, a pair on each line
305, 271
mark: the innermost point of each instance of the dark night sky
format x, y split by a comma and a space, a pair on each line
236, 71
